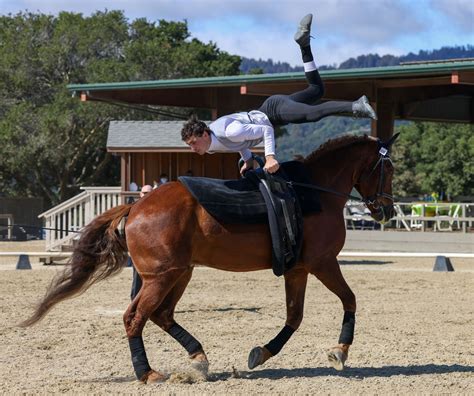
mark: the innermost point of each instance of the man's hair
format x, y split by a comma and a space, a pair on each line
193, 127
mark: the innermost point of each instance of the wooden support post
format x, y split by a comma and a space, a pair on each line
124, 174
385, 108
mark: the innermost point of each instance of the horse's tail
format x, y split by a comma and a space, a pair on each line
101, 252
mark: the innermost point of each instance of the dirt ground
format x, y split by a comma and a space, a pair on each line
414, 334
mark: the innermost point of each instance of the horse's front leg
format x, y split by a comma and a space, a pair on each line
295, 287
154, 290
164, 318
329, 273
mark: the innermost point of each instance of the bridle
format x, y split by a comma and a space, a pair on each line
373, 199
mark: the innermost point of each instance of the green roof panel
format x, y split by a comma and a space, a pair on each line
429, 69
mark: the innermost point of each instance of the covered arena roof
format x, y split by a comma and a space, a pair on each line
427, 92
418, 70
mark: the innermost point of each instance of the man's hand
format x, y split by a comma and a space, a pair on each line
271, 164
246, 166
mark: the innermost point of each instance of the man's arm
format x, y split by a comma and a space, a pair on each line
238, 132
246, 155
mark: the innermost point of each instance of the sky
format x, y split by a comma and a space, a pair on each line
264, 28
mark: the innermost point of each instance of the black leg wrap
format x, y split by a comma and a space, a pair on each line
347, 331
139, 359
187, 341
275, 345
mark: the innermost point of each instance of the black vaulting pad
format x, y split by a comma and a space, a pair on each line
240, 201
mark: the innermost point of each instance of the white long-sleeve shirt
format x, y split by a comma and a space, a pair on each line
239, 132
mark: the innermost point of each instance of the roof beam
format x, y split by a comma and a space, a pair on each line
272, 89
446, 109
463, 77
415, 82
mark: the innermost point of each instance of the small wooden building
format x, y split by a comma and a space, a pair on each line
150, 148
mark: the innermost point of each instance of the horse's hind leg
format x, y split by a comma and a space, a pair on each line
329, 273
295, 287
154, 290
164, 318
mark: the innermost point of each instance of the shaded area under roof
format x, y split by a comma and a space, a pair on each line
427, 92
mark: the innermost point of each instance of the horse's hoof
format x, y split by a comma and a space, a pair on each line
258, 356
153, 377
200, 363
255, 358
337, 358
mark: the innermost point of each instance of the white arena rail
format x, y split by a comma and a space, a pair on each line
73, 214
450, 216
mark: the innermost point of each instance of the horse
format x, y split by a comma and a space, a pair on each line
168, 232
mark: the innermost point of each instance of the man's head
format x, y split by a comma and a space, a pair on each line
197, 135
145, 190
163, 178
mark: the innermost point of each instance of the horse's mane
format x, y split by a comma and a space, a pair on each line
337, 143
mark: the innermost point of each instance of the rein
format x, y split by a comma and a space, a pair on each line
328, 190
372, 200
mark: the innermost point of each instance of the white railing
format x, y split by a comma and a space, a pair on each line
73, 214
415, 216
63, 220
10, 222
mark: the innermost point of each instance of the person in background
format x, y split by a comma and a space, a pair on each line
133, 187
137, 281
145, 190
163, 179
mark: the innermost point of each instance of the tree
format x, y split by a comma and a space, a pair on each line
53, 144
434, 157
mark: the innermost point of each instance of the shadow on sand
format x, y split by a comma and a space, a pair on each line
226, 309
364, 262
356, 372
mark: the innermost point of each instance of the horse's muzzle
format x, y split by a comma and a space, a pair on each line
383, 214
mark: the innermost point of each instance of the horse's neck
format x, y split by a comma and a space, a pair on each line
338, 170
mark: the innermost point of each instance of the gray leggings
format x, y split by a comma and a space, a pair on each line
301, 106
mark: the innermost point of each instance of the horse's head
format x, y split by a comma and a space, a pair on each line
375, 183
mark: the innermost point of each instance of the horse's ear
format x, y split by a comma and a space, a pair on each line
391, 141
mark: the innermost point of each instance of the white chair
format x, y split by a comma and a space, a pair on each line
414, 223
445, 222
400, 218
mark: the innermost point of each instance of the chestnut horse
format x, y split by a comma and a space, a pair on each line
168, 231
